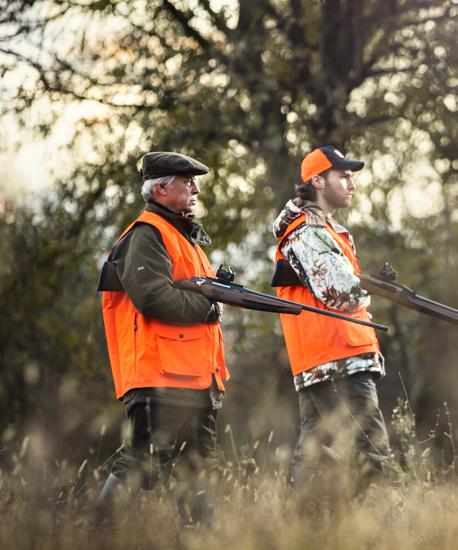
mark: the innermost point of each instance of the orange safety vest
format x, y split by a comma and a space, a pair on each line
313, 339
145, 352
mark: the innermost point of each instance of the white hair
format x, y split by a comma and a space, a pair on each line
149, 186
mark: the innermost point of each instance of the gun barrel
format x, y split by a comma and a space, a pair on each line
236, 295
406, 297
332, 314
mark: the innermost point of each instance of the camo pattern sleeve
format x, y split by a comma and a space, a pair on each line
324, 269
290, 212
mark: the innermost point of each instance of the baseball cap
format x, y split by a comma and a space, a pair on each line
324, 158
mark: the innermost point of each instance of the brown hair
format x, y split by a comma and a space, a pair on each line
306, 191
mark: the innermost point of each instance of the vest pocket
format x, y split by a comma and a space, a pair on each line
357, 335
183, 350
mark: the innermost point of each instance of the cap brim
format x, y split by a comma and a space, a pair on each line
197, 171
353, 165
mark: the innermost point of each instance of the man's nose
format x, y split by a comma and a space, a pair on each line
195, 188
351, 183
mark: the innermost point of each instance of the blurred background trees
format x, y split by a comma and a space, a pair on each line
247, 87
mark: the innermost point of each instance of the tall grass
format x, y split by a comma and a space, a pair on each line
47, 504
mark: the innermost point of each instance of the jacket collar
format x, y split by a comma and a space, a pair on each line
186, 225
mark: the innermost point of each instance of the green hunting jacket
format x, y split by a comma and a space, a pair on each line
150, 288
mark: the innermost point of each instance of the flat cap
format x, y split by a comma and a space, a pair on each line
164, 163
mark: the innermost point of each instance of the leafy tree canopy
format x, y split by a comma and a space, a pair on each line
247, 87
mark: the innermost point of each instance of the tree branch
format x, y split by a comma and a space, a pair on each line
25, 28
418, 22
390, 70
184, 18
59, 87
218, 20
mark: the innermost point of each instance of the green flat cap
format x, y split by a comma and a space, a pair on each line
163, 163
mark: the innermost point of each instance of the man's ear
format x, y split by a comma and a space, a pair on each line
161, 190
317, 182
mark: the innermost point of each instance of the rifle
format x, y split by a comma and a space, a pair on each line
224, 290
383, 284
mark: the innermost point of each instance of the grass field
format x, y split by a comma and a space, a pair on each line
45, 504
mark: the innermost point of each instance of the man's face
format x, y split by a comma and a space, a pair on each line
181, 194
338, 189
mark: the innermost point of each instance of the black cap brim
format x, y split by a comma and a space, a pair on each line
353, 165
338, 161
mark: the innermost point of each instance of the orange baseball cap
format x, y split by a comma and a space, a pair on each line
324, 158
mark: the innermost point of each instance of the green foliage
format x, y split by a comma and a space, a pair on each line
52, 330
246, 88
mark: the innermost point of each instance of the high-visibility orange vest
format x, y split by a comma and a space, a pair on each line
313, 339
146, 353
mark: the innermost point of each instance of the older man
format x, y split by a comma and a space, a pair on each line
335, 364
165, 344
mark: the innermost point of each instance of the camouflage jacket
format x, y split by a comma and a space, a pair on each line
317, 259
323, 268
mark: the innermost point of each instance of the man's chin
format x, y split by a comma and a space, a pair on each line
187, 211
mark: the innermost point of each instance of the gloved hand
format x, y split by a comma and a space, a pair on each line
215, 314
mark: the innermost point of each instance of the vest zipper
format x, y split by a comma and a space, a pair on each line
135, 342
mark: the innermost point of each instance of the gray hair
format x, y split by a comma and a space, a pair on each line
149, 186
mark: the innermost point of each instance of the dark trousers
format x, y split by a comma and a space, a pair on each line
175, 446
343, 440
165, 438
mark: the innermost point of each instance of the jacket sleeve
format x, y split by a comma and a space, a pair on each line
286, 216
145, 269
321, 266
